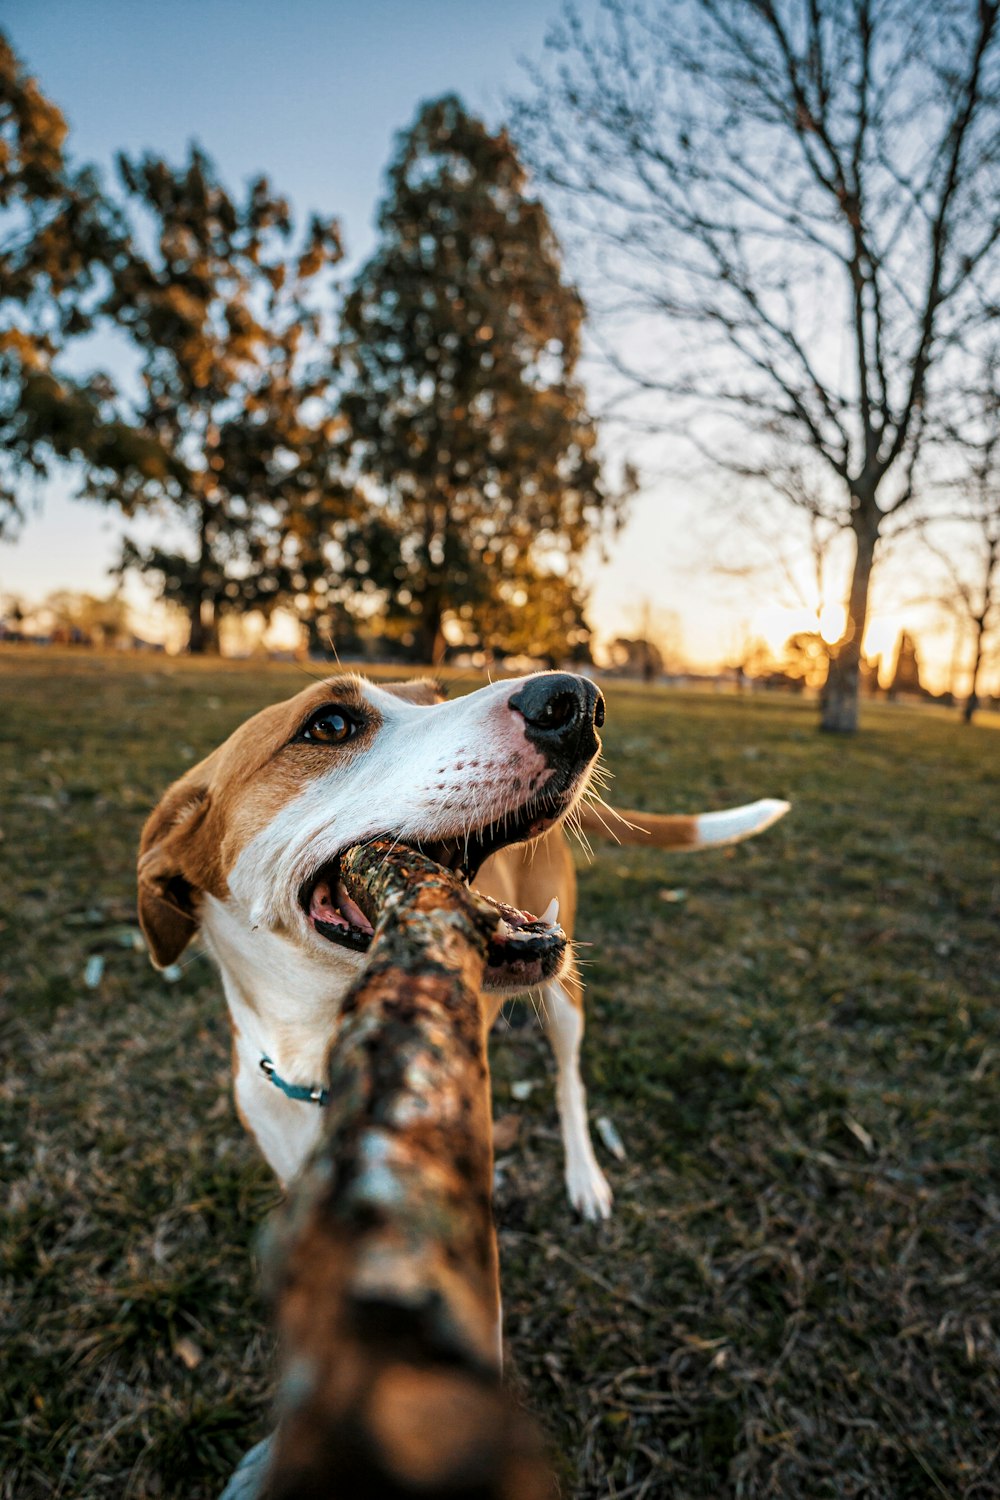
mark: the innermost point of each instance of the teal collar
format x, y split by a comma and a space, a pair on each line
304, 1092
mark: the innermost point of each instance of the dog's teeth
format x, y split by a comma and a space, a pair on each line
350, 910
551, 913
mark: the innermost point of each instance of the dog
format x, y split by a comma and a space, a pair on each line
244, 848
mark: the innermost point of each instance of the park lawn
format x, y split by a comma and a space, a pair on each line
796, 1039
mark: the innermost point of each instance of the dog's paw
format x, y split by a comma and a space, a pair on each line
588, 1190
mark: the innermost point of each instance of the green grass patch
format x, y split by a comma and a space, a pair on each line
798, 1294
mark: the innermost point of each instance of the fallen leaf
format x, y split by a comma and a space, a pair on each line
188, 1352
860, 1134
94, 971
610, 1137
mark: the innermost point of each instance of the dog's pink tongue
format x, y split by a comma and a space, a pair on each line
321, 907
336, 911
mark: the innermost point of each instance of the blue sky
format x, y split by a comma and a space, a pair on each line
310, 92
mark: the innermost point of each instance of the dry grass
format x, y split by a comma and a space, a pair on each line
798, 1295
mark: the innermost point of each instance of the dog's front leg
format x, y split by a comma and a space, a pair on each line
562, 1016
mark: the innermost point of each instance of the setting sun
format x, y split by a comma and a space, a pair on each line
882, 634
832, 621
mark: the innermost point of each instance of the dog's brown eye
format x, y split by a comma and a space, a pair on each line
330, 726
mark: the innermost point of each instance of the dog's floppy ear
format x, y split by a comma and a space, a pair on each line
168, 871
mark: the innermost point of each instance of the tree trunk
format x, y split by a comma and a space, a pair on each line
197, 635
430, 642
212, 646
319, 639
972, 702
203, 636
840, 696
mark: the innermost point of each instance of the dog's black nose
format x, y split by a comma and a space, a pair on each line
560, 712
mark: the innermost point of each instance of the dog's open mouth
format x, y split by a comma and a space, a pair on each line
524, 951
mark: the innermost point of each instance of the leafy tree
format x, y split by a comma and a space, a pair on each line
229, 438
90, 618
242, 447
461, 342
541, 614
58, 241
795, 203
638, 657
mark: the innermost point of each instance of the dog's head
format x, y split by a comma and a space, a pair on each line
260, 823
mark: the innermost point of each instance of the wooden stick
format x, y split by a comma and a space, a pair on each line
387, 1287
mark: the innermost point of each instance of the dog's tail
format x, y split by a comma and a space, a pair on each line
685, 834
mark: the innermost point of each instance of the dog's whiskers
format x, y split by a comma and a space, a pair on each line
575, 827
594, 802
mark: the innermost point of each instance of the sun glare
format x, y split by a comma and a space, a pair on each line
775, 624
832, 622
882, 635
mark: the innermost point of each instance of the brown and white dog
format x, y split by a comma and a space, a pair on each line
244, 848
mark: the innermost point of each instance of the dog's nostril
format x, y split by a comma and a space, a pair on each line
599, 711
555, 706
559, 711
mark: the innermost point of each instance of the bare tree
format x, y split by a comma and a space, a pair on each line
967, 545
797, 203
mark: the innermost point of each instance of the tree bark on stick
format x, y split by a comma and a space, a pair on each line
386, 1287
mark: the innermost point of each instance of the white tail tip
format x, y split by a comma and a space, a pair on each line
737, 823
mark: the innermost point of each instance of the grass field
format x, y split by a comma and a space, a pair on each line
798, 1041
